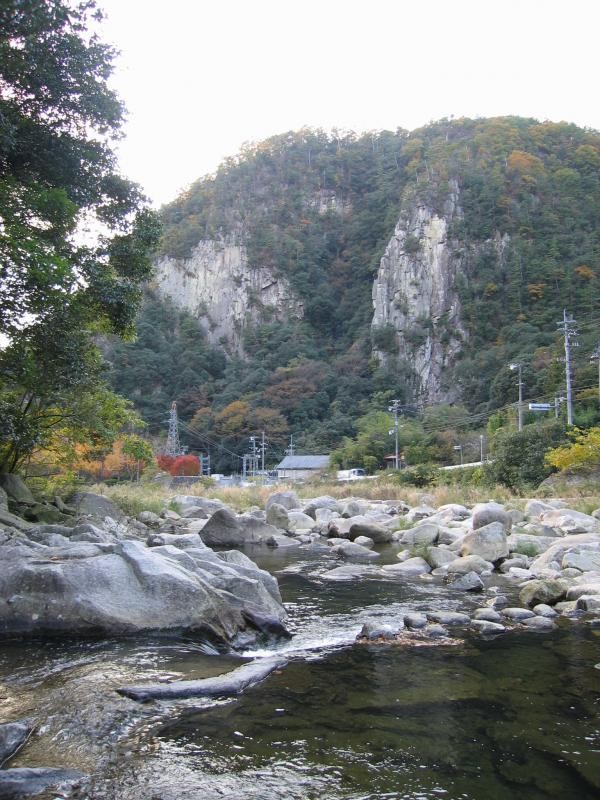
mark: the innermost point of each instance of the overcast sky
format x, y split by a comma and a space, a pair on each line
201, 77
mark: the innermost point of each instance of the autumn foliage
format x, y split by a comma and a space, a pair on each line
179, 465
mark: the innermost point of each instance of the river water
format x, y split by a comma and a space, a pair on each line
514, 717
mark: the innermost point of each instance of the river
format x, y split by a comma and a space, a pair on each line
509, 718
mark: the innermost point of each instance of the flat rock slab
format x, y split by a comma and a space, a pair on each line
232, 683
486, 626
450, 617
12, 736
517, 614
22, 782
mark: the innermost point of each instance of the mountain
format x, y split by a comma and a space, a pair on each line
325, 273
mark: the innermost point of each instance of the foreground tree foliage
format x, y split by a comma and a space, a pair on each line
517, 457
582, 452
58, 120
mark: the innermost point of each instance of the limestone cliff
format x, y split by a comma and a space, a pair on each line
219, 286
414, 296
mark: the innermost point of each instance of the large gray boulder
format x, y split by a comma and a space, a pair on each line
299, 521
372, 530
3, 500
277, 516
486, 513
569, 521
584, 560
488, 541
546, 591
412, 566
354, 551
422, 535
12, 736
226, 529
557, 550
325, 501
473, 563
95, 505
289, 500
189, 504
128, 588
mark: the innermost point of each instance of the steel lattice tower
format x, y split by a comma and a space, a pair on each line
173, 448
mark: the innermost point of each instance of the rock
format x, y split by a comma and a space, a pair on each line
364, 541
170, 515
355, 551
435, 631
461, 566
127, 588
149, 518
488, 542
439, 556
277, 516
589, 602
469, 582
543, 610
289, 500
584, 560
449, 617
485, 514
585, 587
559, 547
486, 627
353, 508
25, 781
347, 572
518, 561
517, 614
541, 624
375, 629
16, 489
185, 502
412, 566
543, 591
12, 521
194, 512
529, 545
225, 529
500, 601
322, 502
232, 683
570, 522
375, 532
281, 540
452, 512
419, 512
299, 521
415, 620
95, 505
12, 736
424, 534
487, 614
535, 508
3, 500
180, 540
324, 515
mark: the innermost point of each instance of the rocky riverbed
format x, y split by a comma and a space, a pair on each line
464, 574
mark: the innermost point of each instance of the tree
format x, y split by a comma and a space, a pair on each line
138, 454
58, 119
517, 457
583, 451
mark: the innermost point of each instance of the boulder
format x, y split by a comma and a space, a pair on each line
324, 501
181, 540
340, 527
3, 500
586, 587
348, 572
95, 505
449, 617
324, 515
535, 508
16, 489
364, 541
412, 566
415, 620
289, 500
194, 512
557, 550
569, 521
435, 631
299, 521
22, 782
9, 520
419, 512
517, 614
488, 542
461, 566
485, 514
277, 516
487, 614
439, 556
375, 629
377, 533
355, 551
540, 624
149, 518
486, 627
589, 602
543, 610
528, 543
186, 502
12, 736
127, 588
452, 512
584, 560
226, 529
543, 591
469, 582
424, 534
353, 508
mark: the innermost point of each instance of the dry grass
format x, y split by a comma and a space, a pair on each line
133, 498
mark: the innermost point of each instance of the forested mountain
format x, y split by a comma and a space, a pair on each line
318, 275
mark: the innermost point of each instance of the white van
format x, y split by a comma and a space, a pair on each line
355, 474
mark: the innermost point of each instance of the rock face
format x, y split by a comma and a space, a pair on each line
414, 294
225, 529
125, 588
220, 287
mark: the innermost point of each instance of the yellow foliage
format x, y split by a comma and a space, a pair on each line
585, 272
525, 163
584, 452
536, 290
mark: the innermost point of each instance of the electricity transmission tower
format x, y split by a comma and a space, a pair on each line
173, 447
395, 407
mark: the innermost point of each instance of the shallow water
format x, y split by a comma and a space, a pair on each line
515, 717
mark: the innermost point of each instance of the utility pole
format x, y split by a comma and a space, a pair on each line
289, 451
173, 447
481, 446
595, 356
567, 327
395, 407
518, 366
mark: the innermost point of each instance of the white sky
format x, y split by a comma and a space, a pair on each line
201, 77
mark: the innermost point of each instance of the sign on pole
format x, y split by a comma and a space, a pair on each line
541, 406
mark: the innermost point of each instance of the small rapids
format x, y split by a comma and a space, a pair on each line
514, 717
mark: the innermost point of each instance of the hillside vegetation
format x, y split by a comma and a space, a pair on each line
320, 208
